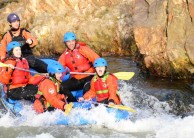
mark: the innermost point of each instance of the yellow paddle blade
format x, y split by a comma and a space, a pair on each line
121, 107
68, 108
124, 75
3, 65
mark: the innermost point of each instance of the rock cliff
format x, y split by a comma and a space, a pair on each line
161, 32
164, 34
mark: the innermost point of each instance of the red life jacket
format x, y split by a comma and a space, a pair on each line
18, 76
42, 104
76, 61
101, 87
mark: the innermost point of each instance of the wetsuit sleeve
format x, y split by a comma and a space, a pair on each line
91, 93
28, 35
88, 53
5, 72
36, 79
49, 90
5, 40
112, 88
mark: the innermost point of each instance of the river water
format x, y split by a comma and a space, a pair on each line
164, 110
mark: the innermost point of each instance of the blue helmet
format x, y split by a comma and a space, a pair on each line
12, 45
69, 36
100, 62
12, 17
55, 67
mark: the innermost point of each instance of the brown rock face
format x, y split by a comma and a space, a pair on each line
104, 25
162, 30
164, 34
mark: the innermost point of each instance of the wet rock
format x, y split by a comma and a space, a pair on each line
106, 26
159, 33
164, 32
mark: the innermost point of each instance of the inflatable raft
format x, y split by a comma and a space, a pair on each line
15, 107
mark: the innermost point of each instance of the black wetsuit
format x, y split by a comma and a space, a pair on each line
72, 85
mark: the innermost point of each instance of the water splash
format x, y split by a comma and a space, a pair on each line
153, 118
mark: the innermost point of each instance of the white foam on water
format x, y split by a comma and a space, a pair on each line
152, 118
43, 135
7, 121
178, 128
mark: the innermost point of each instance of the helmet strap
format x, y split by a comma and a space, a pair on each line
14, 29
103, 74
68, 47
53, 77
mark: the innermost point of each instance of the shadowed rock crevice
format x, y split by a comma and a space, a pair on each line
189, 10
3, 3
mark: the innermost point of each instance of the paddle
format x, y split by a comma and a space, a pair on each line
68, 107
120, 107
3, 65
6, 65
119, 75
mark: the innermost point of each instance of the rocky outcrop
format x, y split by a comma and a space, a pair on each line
104, 25
164, 34
162, 30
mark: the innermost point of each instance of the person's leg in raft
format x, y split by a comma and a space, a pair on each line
37, 64
73, 85
15, 94
86, 87
68, 86
28, 92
